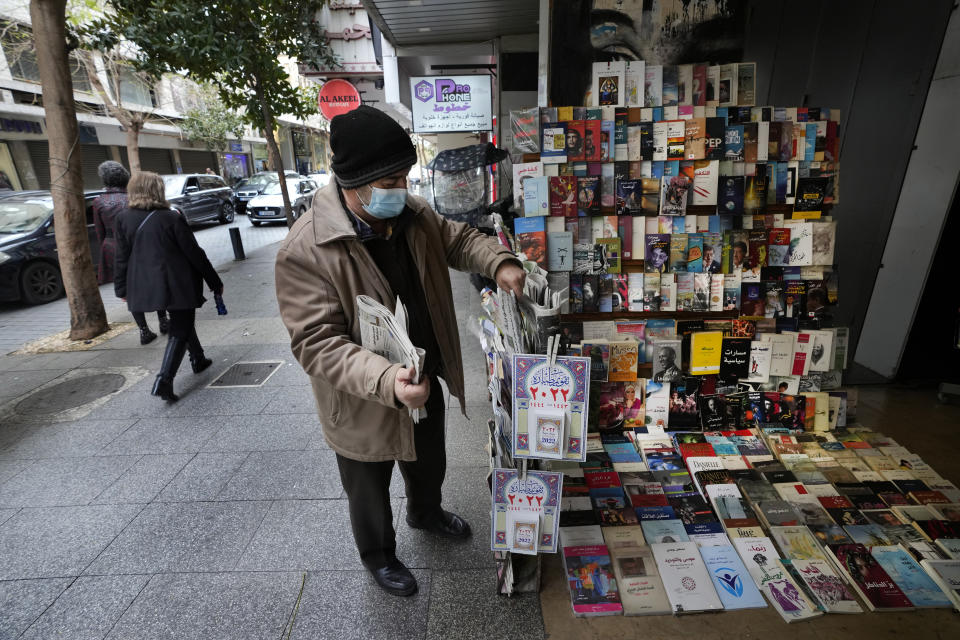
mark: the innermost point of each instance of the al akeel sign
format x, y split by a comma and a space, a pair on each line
451, 103
337, 97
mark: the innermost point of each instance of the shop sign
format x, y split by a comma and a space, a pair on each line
236, 146
337, 97
451, 103
20, 126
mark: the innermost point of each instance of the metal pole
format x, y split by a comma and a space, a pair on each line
237, 243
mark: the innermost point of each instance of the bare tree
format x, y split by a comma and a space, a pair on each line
87, 315
118, 71
114, 67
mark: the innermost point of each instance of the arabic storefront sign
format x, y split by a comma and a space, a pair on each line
451, 103
337, 97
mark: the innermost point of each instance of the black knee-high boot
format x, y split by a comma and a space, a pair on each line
172, 357
198, 361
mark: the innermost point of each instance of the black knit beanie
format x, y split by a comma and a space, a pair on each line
368, 145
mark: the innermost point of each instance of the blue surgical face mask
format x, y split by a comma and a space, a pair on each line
385, 203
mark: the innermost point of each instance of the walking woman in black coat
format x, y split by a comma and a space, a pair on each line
106, 207
159, 265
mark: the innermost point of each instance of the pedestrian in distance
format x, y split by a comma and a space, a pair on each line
365, 234
160, 266
106, 207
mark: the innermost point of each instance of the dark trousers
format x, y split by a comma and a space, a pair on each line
368, 486
181, 323
141, 318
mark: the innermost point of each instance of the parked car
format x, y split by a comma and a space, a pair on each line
253, 186
29, 266
200, 197
268, 207
322, 179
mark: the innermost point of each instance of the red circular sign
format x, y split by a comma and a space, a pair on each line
336, 97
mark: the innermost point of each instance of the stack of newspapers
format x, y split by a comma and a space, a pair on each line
386, 334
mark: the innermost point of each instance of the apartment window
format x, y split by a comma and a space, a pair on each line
20, 52
133, 90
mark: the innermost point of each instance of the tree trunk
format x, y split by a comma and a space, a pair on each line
87, 315
273, 151
133, 144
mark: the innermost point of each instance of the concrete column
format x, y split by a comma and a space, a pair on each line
115, 153
24, 165
176, 160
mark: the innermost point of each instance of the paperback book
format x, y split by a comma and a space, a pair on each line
685, 577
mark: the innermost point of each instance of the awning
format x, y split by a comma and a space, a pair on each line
413, 22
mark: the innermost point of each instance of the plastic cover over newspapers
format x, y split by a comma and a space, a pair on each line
385, 334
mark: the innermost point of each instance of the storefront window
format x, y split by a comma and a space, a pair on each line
260, 158
301, 152
8, 172
235, 167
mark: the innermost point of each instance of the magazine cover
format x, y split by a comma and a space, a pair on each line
608, 409
540, 389
673, 195
588, 196
563, 196
590, 578
554, 147
532, 239
869, 578
524, 125
657, 254
826, 586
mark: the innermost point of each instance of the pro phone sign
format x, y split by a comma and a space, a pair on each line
451, 103
337, 97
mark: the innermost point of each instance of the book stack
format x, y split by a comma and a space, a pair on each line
809, 536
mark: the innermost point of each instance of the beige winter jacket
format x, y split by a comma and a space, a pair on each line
321, 269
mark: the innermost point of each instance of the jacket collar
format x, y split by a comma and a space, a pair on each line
331, 221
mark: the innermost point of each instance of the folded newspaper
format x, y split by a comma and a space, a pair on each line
386, 334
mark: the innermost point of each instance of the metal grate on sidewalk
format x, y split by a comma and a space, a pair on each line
246, 374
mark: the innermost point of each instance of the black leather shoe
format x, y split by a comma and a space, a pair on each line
448, 525
396, 579
147, 336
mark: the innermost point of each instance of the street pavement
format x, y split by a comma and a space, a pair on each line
214, 516
20, 323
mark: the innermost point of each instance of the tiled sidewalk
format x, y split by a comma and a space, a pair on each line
201, 518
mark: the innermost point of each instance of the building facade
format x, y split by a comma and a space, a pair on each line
24, 148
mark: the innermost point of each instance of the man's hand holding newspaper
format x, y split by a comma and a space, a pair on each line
410, 393
385, 334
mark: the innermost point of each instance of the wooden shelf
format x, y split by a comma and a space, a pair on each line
641, 315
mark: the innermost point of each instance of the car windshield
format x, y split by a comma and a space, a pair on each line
258, 181
23, 217
173, 185
274, 188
